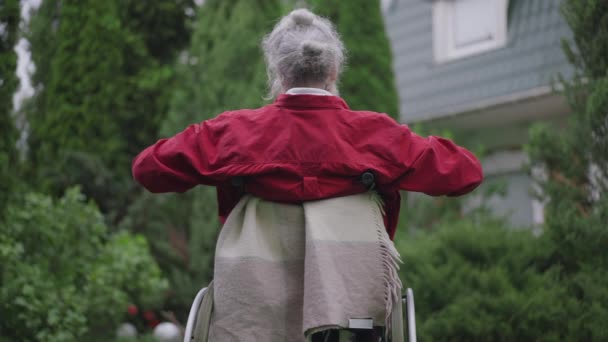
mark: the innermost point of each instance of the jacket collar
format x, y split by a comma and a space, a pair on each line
309, 91
310, 101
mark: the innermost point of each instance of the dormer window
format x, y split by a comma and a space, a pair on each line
463, 28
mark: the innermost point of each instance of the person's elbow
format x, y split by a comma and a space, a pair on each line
156, 177
144, 175
471, 177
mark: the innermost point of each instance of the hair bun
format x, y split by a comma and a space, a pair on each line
302, 17
311, 48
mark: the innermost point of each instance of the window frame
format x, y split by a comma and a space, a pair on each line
444, 45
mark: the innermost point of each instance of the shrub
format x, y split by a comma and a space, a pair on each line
479, 281
63, 276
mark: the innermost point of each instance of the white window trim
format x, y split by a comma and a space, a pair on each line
444, 50
539, 173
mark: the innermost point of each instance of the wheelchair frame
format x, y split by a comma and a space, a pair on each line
407, 299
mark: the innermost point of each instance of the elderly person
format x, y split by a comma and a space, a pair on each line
306, 247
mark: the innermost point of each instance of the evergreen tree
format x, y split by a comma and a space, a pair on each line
163, 26
76, 122
223, 69
104, 74
576, 164
9, 20
368, 82
79, 102
164, 31
576, 160
41, 33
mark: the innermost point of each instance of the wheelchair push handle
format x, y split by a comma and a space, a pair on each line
410, 314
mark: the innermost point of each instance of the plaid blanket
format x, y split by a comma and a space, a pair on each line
283, 272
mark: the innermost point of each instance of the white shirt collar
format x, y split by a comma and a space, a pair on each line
308, 91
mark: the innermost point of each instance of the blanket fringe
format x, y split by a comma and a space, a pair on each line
390, 260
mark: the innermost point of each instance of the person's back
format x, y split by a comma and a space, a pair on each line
306, 147
273, 165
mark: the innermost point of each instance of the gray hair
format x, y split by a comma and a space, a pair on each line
302, 49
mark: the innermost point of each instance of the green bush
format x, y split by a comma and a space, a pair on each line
575, 161
479, 281
63, 276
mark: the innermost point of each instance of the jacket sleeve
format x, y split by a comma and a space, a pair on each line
178, 163
436, 166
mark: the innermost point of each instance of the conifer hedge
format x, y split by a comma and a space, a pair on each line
104, 74
9, 20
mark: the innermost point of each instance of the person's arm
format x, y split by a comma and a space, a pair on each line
436, 166
178, 163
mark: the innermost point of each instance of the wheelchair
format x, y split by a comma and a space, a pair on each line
199, 317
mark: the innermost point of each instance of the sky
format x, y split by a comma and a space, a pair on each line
25, 67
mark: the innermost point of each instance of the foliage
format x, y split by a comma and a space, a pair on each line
164, 31
63, 276
368, 82
576, 164
86, 61
181, 231
479, 281
9, 20
163, 27
223, 69
103, 78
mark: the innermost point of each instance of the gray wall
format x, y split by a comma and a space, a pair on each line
517, 202
427, 90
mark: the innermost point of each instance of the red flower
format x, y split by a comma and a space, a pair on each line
153, 323
132, 310
149, 316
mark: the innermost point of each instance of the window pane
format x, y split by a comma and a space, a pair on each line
474, 21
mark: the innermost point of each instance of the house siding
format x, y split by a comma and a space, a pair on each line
428, 90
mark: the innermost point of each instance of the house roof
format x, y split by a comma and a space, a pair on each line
526, 65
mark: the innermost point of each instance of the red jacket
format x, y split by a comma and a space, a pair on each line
302, 148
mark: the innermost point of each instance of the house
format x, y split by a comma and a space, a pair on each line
482, 69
